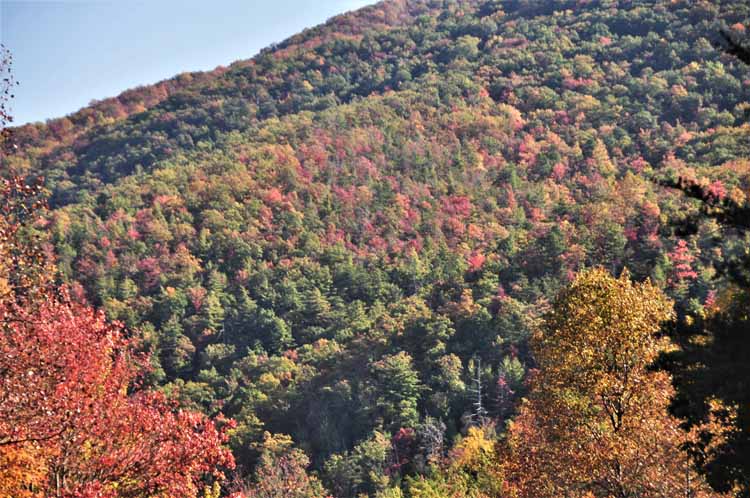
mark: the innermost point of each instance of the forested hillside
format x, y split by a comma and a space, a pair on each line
365, 246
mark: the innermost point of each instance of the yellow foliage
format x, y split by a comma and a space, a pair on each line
597, 404
474, 450
23, 469
276, 443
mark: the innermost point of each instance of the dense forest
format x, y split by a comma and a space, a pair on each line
431, 248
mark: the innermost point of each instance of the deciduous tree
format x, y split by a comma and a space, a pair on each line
596, 421
281, 473
74, 417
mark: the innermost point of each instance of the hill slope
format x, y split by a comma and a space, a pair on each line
323, 240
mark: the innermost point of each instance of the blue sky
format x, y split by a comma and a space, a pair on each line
69, 52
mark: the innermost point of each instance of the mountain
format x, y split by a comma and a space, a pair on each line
342, 237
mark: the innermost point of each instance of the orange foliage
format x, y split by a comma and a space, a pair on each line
597, 421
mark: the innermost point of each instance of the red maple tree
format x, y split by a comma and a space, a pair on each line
75, 418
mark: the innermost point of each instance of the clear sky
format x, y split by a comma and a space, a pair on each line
69, 52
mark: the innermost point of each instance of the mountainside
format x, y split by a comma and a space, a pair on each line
341, 238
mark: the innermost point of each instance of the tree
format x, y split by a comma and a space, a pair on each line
596, 422
398, 389
362, 471
280, 473
6, 94
601, 161
66, 374
473, 471
734, 47
74, 417
682, 261
430, 440
711, 367
712, 374
25, 269
479, 414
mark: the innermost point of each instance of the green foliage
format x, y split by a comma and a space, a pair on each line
397, 387
318, 241
363, 470
281, 472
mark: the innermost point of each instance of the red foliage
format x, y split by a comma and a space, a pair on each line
133, 234
197, 296
273, 196
574, 83
710, 299
151, 271
558, 171
457, 205
67, 374
403, 448
476, 261
510, 199
110, 259
631, 233
454, 226
682, 262
528, 150
717, 191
